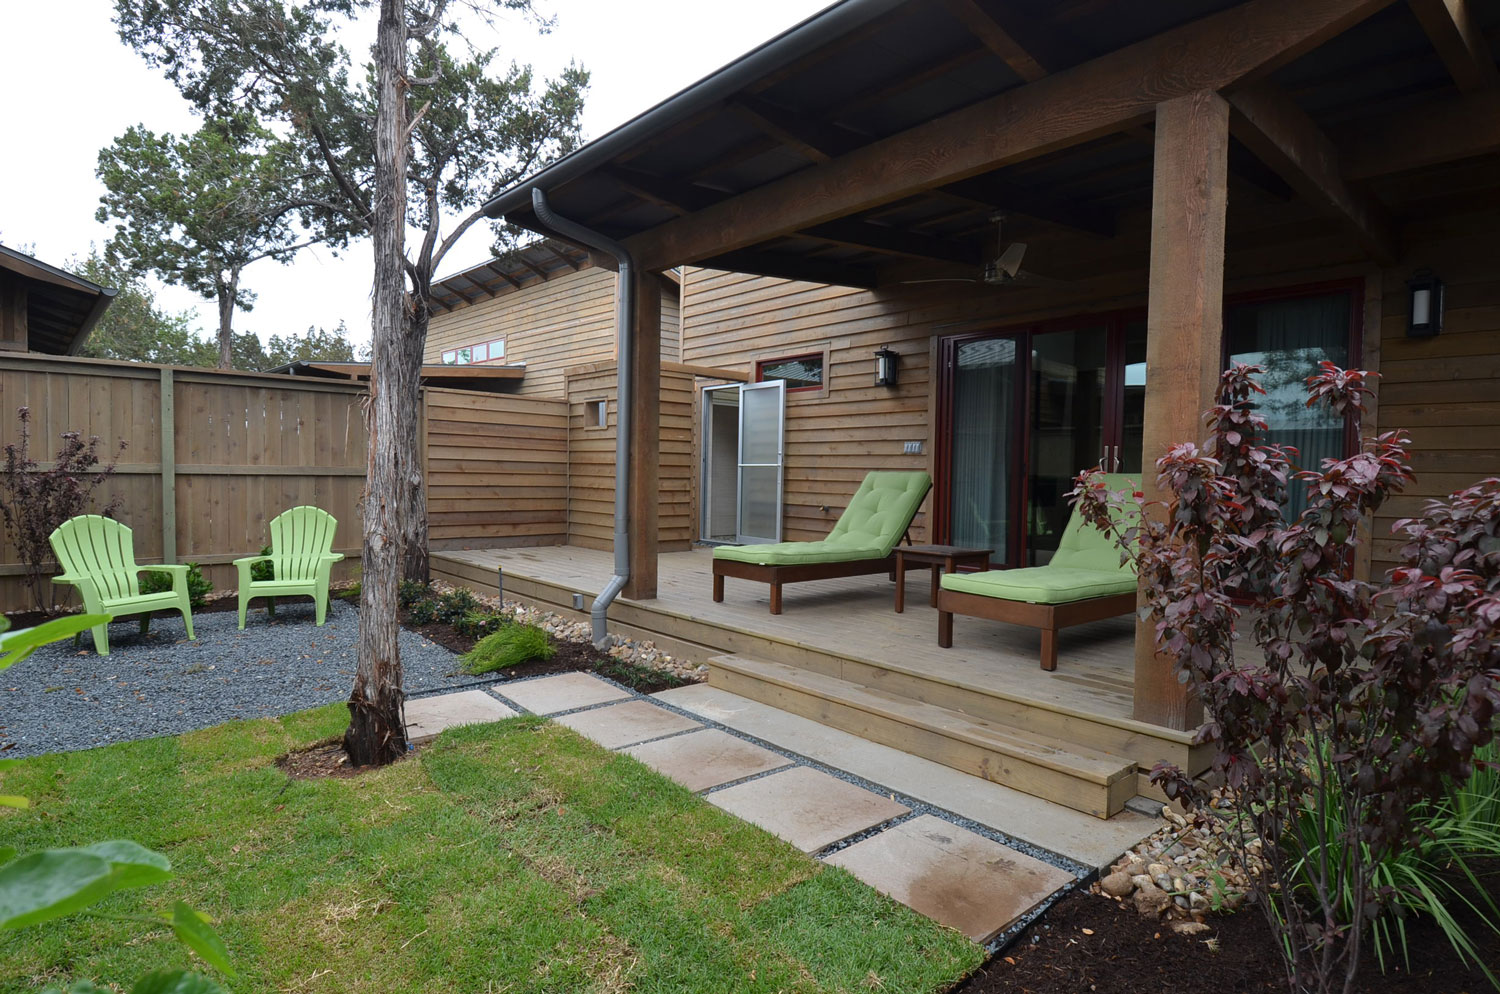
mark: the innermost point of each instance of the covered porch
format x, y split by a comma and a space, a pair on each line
840, 654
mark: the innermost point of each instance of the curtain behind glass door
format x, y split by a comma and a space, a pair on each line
1289, 338
984, 408
1067, 428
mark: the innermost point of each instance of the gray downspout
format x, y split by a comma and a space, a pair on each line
625, 325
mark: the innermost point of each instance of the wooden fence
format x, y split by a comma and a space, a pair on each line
211, 456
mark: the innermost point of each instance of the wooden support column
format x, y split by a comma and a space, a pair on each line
645, 431
1184, 331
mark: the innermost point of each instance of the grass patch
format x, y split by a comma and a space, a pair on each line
515, 856
511, 646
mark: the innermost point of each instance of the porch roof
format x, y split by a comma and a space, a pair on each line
872, 143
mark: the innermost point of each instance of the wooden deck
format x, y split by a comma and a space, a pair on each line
848, 629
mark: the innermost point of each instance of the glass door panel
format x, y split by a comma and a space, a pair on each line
762, 426
986, 381
1132, 438
1068, 423
1289, 338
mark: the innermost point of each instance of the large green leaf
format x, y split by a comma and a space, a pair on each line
12, 801
175, 982
59, 882
198, 935
17, 645
132, 863
51, 884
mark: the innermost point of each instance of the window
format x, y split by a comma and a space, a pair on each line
801, 372
480, 352
596, 413
450, 357
497, 349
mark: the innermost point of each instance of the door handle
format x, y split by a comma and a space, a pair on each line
1117, 460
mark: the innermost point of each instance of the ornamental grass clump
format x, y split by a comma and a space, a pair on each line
1366, 700
512, 645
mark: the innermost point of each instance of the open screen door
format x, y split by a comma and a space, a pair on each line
762, 437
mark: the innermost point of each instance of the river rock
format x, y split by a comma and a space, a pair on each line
1151, 899
1117, 884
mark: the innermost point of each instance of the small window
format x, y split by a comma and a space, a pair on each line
596, 413
801, 372
450, 357
465, 356
497, 349
480, 352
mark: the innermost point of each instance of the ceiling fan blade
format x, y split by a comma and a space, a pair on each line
1009, 262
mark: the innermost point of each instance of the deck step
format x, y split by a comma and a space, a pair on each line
1076, 776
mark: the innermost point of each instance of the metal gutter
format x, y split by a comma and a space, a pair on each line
625, 332
832, 22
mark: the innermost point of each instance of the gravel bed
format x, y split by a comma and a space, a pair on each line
65, 697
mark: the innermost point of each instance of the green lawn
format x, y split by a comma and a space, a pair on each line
509, 857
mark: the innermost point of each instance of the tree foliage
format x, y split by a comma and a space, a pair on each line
135, 327
1369, 697
197, 209
34, 500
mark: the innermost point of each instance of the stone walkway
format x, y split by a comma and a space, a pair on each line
971, 854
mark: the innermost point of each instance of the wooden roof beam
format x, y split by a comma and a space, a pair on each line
894, 241
984, 27
767, 264
563, 256
1099, 97
507, 277
1030, 48
1286, 139
1000, 194
534, 268
679, 198
811, 138
1428, 135
1459, 42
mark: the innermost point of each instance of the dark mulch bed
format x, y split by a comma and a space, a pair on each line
571, 657
1123, 952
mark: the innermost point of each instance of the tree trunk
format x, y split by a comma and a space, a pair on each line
227, 293
377, 731
415, 565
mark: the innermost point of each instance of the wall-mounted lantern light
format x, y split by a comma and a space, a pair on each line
1424, 315
887, 367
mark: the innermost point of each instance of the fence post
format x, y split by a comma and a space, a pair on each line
168, 469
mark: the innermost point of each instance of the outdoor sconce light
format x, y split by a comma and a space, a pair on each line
887, 367
1424, 316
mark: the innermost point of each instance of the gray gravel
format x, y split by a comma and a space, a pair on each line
65, 697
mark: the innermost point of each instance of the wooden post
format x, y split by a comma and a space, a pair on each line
645, 442
168, 468
1184, 331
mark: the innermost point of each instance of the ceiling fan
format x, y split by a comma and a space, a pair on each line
1005, 268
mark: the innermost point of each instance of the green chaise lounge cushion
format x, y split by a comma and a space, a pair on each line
1086, 565
876, 518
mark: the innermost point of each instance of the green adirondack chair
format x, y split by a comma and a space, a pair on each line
301, 558
97, 555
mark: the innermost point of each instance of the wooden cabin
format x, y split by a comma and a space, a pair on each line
44, 309
1280, 181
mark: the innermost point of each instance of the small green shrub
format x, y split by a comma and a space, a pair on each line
199, 587
351, 592
408, 592
635, 676
510, 646
455, 604
422, 612
477, 624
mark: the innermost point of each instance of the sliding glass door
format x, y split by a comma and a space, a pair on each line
1023, 411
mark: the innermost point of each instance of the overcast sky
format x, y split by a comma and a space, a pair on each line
74, 86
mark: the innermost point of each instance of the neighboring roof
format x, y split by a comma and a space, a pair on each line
480, 376
861, 72
527, 266
61, 309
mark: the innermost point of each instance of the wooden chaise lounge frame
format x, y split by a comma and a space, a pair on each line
1050, 618
777, 575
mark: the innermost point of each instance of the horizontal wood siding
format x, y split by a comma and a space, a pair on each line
497, 470
591, 459
568, 320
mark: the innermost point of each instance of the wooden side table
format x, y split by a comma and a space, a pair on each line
936, 558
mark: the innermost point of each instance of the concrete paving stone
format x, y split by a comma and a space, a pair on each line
952, 875
427, 716
807, 807
700, 760
1041, 823
626, 724
564, 692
